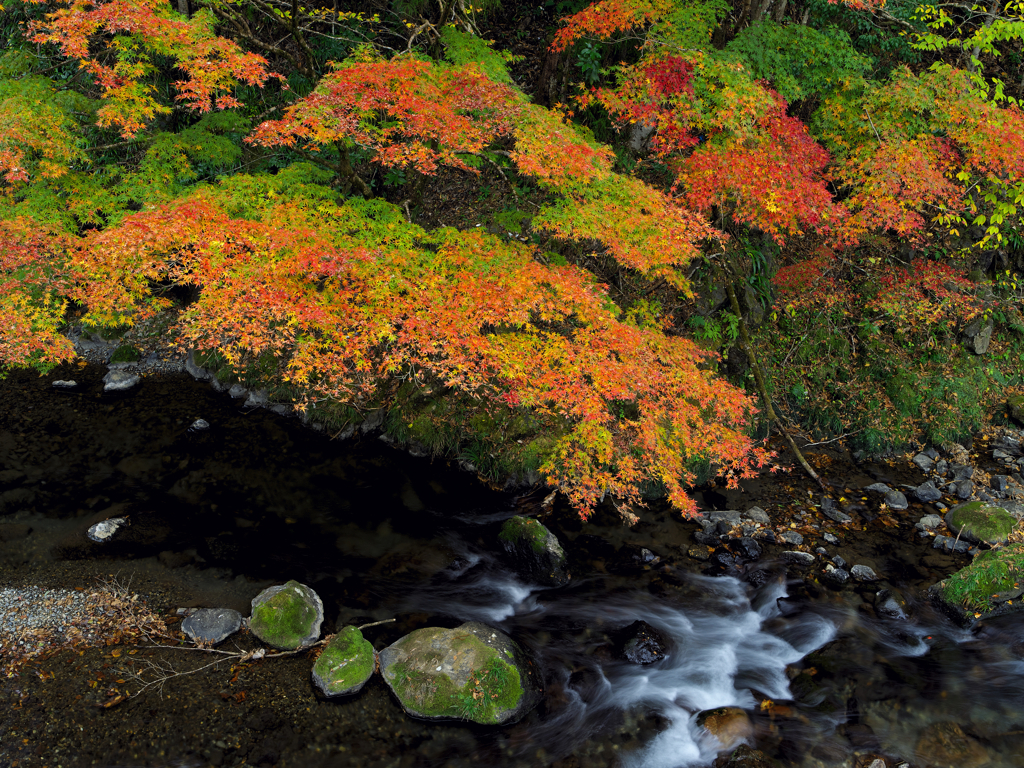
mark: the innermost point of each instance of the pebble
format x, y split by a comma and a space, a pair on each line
36, 609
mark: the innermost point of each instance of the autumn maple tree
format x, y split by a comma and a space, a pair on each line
270, 162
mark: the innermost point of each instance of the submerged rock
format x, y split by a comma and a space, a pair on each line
891, 604
65, 384
104, 530
287, 616
199, 425
745, 757
945, 745
730, 725
878, 488
640, 643
473, 672
979, 522
346, 663
835, 577
795, 557
534, 550
212, 625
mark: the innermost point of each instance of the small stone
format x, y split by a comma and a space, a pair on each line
699, 552
927, 492
835, 577
237, 390
896, 500
931, 453
941, 467
878, 488
119, 381
999, 453
863, 573
758, 515
792, 537
924, 463
749, 548
199, 425
795, 557
105, 529
950, 544
964, 489
1000, 483
830, 538
258, 398
62, 384
839, 562
832, 511
928, 523
706, 539
212, 625
642, 644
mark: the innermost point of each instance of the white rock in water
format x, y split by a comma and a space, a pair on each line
103, 530
61, 384
200, 425
117, 381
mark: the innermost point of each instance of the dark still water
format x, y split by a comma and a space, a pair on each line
258, 499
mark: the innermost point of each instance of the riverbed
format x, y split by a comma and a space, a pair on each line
257, 499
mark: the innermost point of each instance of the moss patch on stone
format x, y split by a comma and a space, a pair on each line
979, 521
485, 697
286, 619
346, 662
521, 528
992, 572
126, 353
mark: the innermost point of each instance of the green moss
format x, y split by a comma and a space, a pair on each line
126, 353
987, 523
992, 572
521, 528
286, 619
347, 661
488, 694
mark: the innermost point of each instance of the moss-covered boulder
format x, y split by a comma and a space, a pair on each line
287, 616
979, 522
535, 551
473, 672
1015, 408
994, 580
346, 663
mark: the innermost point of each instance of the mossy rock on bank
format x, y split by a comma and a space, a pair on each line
473, 672
535, 551
287, 616
346, 663
1015, 408
979, 522
994, 581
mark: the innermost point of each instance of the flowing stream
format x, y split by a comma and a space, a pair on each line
258, 499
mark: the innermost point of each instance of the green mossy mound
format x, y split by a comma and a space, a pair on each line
287, 616
535, 551
473, 672
346, 663
979, 522
995, 578
126, 353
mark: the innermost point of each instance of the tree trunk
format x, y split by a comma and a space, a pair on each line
183, 8
759, 379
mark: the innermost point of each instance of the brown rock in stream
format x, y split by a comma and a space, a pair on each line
730, 725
